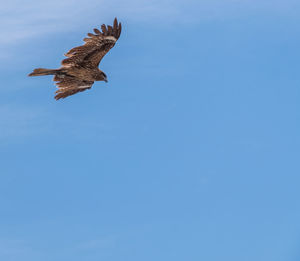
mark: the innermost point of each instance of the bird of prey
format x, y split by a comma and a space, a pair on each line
80, 70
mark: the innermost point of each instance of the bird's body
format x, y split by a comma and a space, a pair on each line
80, 70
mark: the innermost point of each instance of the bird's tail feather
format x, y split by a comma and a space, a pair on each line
42, 71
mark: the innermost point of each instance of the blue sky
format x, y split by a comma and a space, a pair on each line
190, 152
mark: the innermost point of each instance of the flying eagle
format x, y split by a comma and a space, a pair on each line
80, 70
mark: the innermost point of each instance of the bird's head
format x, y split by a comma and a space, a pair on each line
103, 77
100, 76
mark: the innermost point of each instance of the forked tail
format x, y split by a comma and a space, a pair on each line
42, 71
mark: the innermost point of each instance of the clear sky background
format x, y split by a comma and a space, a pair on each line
190, 152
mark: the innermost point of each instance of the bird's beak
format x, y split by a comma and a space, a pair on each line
105, 79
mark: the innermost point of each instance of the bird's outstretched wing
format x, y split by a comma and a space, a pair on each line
96, 46
68, 85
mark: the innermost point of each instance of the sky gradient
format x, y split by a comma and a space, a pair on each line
189, 152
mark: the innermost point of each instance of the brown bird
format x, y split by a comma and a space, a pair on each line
80, 70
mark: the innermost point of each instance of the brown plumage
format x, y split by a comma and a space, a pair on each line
80, 70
